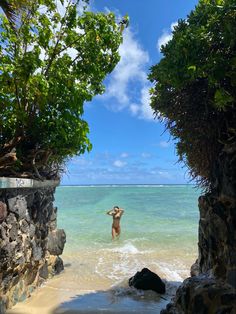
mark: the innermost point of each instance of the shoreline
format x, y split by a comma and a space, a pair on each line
51, 298
84, 288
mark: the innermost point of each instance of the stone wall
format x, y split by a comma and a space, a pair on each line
30, 243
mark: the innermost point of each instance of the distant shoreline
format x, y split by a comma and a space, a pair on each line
126, 184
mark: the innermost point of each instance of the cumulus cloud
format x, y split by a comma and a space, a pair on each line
107, 168
166, 36
128, 86
143, 109
131, 68
119, 163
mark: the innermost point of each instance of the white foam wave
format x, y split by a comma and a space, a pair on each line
128, 248
169, 273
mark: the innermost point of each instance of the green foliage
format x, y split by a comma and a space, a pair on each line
195, 86
50, 64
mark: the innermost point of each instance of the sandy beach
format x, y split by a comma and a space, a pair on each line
83, 287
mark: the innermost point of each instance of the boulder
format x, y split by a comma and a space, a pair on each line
147, 280
56, 242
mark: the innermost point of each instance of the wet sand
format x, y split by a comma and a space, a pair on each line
63, 295
98, 283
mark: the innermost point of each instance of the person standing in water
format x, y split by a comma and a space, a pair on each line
116, 213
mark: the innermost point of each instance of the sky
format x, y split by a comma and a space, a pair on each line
131, 146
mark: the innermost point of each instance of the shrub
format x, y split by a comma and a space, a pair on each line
195, 87
51, 62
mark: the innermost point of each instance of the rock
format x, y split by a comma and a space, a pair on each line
56, 242
58, 266
18, 205
2, 307
24, 226
36, 251
43, 271
30, 275
13, 233
27, 217
147, 280
32, 230
194, 269
200, 295
11, 219
3, 211
53, 214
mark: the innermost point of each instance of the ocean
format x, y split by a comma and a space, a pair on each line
158, 230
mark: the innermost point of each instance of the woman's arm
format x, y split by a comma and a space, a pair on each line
121, 210
110, 212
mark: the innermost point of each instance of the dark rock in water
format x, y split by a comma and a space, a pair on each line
58, 267
147, 280
203, 295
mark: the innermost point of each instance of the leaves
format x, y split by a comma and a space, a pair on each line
49, 66
195, 85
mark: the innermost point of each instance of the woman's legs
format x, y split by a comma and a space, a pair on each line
115, 231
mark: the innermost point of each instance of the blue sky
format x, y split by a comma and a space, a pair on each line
129, 146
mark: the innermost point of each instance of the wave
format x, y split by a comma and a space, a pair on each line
169, 273
128, 248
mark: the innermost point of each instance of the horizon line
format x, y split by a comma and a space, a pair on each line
108, 184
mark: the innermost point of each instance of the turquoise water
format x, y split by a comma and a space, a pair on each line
159, 225
158, 231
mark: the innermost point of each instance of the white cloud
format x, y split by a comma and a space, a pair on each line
143, 110
124, 155
165, 175
164, 144
61, 8
145, 155
131, 68
166, 36
119, 163
128, 86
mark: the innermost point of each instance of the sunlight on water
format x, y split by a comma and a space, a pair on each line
159, 228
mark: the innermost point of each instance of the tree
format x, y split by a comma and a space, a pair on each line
195, 89
195, 93
10, 7
53, 61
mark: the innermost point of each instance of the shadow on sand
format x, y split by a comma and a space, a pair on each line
124, 300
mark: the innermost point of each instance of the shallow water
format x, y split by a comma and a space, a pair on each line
159, 227
158, 231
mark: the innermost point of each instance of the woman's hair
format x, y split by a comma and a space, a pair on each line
116, 207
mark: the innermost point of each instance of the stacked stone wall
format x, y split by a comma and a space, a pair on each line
30, 243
